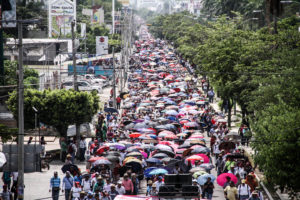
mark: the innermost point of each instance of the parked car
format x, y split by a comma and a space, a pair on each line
82, 86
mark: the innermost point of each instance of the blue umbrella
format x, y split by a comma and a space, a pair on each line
153, 160
172, 112
202, 179
148, 170
158, 171
207, 166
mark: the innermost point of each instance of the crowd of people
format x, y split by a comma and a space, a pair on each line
158, 128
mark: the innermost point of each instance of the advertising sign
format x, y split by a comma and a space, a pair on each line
101, 45
98, 15
8, 15
124, 2
61, 14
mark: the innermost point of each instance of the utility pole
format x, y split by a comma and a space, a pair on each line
74, 56
114, 79
20, 115
113, 17
77, 126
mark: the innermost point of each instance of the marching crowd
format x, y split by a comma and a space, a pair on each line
159, 129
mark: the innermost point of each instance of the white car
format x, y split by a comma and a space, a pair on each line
83, 86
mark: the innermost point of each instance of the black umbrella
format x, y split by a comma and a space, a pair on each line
127, 122
111, 110
70, 167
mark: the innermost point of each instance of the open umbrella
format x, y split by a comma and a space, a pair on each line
2, 159
102, 149
153, 160
196, 169
207, 166
113, 158
172, 112
191, 124
205, 157
134, 135
222, 178
160, 155
158, 171
134, 154
201, 150
93, 159
227, 145
203, 178
193, 158
69, 167
199, 173
111, 110
102, 162
163, 147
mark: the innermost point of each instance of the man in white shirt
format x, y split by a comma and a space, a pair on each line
82, 148
86, 184
159, 183
94, 180
120, 189
244, 191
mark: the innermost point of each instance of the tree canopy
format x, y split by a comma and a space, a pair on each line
57, 108
258, 70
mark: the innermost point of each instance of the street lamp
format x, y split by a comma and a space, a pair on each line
37, 122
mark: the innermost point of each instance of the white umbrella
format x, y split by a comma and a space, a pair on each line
2, 159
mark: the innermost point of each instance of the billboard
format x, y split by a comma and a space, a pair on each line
61, 14
101, 45
124, 2
8, 15
98, 15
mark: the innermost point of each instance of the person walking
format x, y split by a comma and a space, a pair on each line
6, 178
118, 100
55, 186
127, 183
231, 192
6, 194
211, 95
67, 185
208, 189
244, 191
82, 148
120, 188
63, 149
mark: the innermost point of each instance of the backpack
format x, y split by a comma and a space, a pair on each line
70, 149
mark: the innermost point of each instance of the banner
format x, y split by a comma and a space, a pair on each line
61, 14
83, 30
10, 15
101, 45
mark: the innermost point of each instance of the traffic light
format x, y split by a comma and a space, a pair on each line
6, 5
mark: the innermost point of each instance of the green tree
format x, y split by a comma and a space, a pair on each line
277, 141
7, 133
57, 108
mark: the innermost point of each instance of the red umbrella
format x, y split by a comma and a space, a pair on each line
102, 149
177, 89
222, 178
93, 159
135, 135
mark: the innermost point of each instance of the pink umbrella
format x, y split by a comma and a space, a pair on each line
222, 178
193, 158
205, 157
